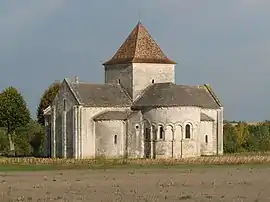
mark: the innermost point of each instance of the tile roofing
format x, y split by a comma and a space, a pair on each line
101, 95
205, 117
139, 47
156, 95
169, 94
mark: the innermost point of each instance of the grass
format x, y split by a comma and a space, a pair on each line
39, 164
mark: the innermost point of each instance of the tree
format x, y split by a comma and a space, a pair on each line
13, 112
30, 139
242, 134
229, 133
46, 100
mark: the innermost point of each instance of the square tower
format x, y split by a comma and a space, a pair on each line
138, 63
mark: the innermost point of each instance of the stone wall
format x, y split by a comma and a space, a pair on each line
62, 130
110, 138
48, 137
88, 128
173, 120
122, 73
135, 141
136, 77
207, 138
144, 74
217, 132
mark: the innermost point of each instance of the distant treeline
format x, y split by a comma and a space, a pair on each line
246, 137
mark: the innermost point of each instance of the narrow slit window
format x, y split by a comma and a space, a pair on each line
153, 81
115, 139
65, 104
206, 138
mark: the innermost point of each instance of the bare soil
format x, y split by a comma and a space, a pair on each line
195, 184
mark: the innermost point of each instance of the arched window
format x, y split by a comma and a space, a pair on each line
153, 81
115, 139
206, 138
147, 133
188, 131
161, 132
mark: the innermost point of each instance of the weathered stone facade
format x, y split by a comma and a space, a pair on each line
138, 113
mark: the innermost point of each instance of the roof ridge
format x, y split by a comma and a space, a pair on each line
73, 91
96, 84
143, 92
136, 39
124, 91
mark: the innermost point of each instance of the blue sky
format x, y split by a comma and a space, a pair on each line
223, 43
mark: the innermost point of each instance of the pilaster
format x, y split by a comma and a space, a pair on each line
64, 134
75, 132
152, 142
53, 135
142, 141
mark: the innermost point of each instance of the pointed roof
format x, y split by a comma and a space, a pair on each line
139, 47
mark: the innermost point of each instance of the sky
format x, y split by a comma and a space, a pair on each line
222, 43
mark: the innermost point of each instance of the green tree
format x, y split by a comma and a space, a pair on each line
242, 135
230, 143
46, 100
30, 139
13, 112
252, 142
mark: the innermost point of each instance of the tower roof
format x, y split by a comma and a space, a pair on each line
139, 47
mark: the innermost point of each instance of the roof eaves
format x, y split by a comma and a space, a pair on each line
212, 93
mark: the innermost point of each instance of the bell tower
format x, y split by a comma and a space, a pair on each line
138, 63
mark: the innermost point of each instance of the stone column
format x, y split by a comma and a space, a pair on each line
137, 136
173, 141
79, 134
182, 140
75, 132
220, 135
142, 141
53, 135
80, 139
64, 134
152, 142
47, 141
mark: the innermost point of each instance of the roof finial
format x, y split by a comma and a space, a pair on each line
139, 16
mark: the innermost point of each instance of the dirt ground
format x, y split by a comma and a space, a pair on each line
196, 184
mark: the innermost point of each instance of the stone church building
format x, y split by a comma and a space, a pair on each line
139, 112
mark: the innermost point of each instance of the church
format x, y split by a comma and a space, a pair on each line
139, 111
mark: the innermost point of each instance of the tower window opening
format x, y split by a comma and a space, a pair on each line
153, 80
